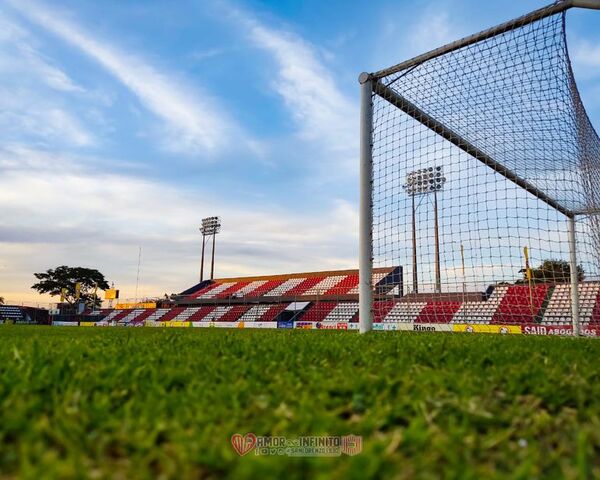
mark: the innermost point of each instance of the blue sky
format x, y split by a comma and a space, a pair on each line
124, 123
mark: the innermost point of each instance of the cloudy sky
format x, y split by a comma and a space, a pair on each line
122, 124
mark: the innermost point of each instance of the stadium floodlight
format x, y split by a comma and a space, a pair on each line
502, 108
210, 227
425, 181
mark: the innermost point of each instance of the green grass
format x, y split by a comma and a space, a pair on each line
148, 403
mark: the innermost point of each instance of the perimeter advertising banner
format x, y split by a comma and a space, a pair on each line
175, 324
218, 324
305, 325
260, 325
478, 328
332, 325
124, 306
537, 329
413, 327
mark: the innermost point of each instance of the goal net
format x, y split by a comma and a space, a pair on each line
482, 165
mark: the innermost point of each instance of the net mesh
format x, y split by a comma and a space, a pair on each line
455, 225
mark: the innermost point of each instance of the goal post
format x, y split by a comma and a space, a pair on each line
492, 129
365, 294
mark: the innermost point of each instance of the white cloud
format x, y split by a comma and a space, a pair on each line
28, 109
58, 211
21, 55
323, 113
399, 40
195, 123
587, 54
433, 30
26, 113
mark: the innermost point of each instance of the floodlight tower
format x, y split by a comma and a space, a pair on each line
210, 227
424, 182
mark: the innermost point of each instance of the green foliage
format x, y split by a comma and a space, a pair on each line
163, 403
1, 300
53, 281
552, 271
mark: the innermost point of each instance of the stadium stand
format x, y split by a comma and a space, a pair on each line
331, 298
21, 314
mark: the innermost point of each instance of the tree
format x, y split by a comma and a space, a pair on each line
552, 271
63, 277
1, 300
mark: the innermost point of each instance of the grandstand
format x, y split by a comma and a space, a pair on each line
326, 300
22, 314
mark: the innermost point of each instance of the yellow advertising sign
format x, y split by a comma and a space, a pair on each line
77, 290
111, 294
123, 306
470, 328
178, 324
87, 324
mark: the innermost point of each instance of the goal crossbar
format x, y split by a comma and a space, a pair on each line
531, 17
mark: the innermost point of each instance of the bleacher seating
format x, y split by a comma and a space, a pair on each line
342, 312
404, 312
157, 314
328, 298
284, 287
438, 312
306, 284
324, 285
480, 312
131, 314
172, 313
250, 287
232, 290
216, 314
317, 311
381, 309
558, 311
141, 318
343, 286
213, 290
254, 313
264, 288
520, 304
272, 313
200, 313
11, 312
234, 313
377, 277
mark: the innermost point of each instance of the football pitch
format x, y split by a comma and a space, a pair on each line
148, 403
